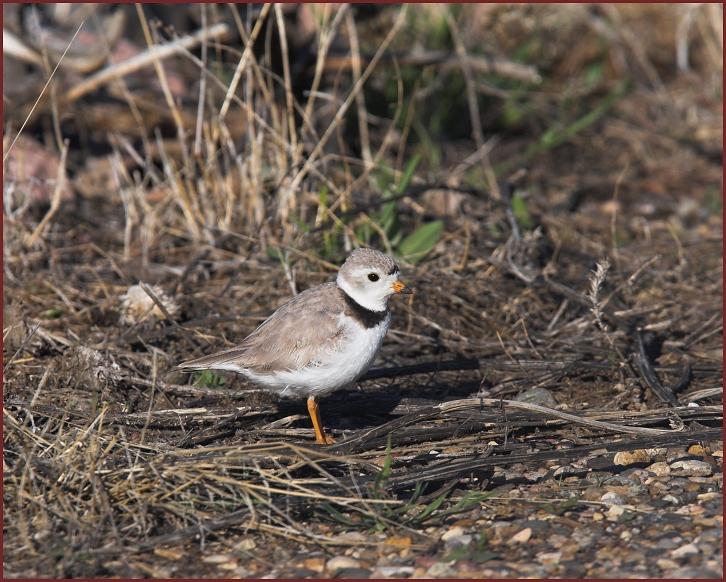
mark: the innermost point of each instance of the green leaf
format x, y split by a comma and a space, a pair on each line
323, 196
417, 244
512, 113
408, 173
363, 233
208, 379
52, 313
383, 177
429, 509
594, 74
521, 212
382, 477
457, 553
274, 253
387, 219
337, 515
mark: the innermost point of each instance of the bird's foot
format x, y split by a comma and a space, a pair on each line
324, 439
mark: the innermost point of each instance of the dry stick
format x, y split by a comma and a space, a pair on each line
91, 58
475, 403
149, 291
243, 61
154, 54
278, 139
479, 155
701, 394
289, 105
256, 71
614, 217
55, 117
22, 347
464, 466
42, 91
327, 34
182, 195
481, 64
649, 376
55, 201
359, 98
295, 184
14, 47
471, 97
202, 88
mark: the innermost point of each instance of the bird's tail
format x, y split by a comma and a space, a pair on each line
225, 360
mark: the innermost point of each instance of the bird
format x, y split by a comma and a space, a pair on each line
322, 339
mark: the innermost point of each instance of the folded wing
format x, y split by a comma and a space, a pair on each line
295, 336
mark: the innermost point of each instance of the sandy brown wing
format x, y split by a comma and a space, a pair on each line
296, 335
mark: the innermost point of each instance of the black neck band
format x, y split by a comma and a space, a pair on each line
366, 317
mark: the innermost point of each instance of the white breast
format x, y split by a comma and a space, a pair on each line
334, 369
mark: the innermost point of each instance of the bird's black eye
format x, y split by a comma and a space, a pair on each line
373, 277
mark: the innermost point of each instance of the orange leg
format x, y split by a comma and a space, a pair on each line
314, 410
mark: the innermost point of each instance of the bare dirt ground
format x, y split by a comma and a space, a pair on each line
548, 404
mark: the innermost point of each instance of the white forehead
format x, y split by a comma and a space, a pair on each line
368, 260
363, 271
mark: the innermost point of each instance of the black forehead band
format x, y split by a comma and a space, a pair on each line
394, 269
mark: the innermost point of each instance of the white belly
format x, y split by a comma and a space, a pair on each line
334, 369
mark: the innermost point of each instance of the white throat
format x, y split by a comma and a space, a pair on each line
361, 298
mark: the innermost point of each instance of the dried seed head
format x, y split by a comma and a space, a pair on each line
138, 304
597, 279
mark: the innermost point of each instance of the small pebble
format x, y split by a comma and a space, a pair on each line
660, 469
452, 533
315, 564
625, 458
247, 544
540, 396
697, 450
671, 499
549, 558
666, 564
521, 537
615, 512
340, 563
168, 554
398, 541
440, 570
353, 573
391, 571
691, 468
216, 559
683, 551
458, 541
612, 498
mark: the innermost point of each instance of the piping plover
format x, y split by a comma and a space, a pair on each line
322, 339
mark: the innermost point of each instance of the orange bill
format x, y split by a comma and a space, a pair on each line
401, 287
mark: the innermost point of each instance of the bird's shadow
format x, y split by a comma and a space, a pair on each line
366, 404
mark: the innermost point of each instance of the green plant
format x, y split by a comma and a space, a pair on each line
521, 212
386, 223
208, 379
